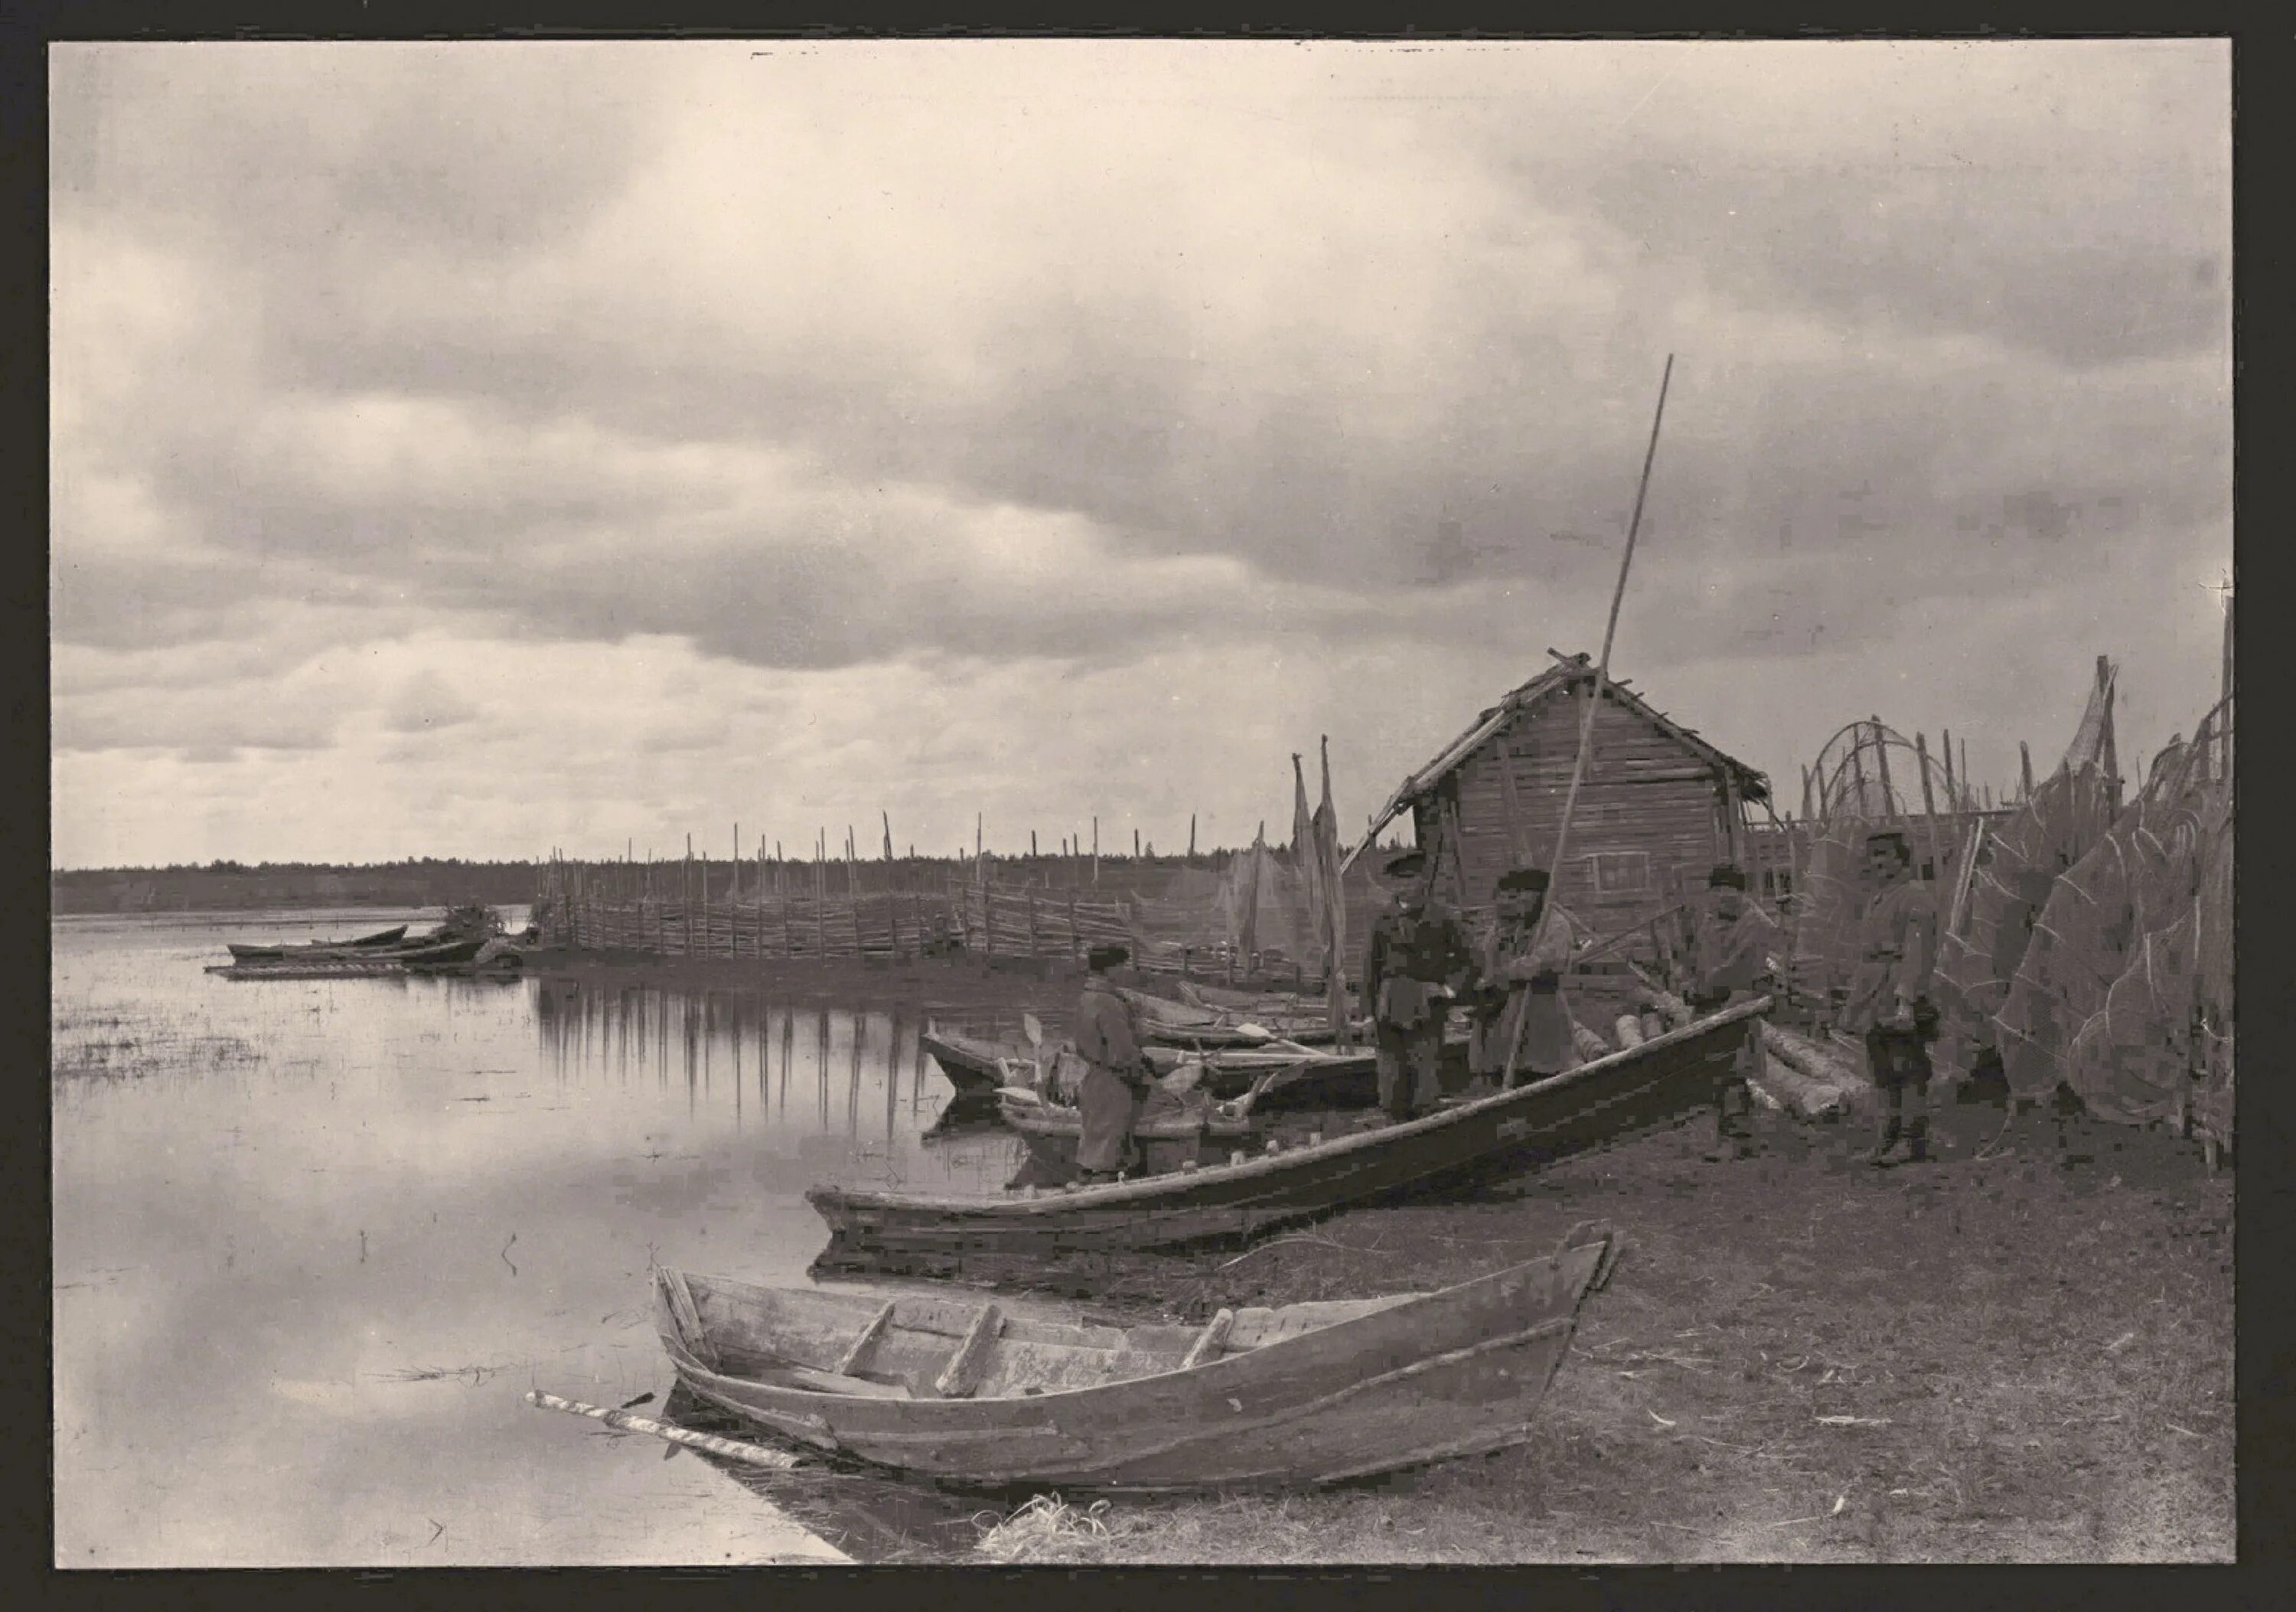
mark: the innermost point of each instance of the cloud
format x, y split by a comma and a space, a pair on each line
426, 704
1075, 357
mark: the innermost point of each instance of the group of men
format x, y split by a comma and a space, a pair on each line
1420, 960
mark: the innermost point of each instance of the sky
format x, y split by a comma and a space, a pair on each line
471, 450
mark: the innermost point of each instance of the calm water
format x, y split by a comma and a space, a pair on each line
315, 1239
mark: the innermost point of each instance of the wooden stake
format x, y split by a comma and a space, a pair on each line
1968, 782
1929, 805
1881, 756
1192, 815
2024, 770
1952, 789
1095, 849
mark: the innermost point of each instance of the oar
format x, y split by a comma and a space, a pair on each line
731, 1449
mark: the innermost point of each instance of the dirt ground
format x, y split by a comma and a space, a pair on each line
2015, 1352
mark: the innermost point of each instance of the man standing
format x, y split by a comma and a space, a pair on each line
1521, 961
1729, 963
1890, 992
1416, 954
1116, 1075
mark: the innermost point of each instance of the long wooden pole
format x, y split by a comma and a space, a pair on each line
1610, 629
1601, 675
732, 1449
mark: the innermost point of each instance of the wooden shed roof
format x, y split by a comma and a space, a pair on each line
1568, 671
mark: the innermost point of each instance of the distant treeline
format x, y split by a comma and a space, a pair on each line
434, 881
428, 882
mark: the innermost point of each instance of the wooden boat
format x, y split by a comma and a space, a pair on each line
1636, 1089
440, 951
975, 1068
959, 1390
1180, 1025
1169, 1136
252, 954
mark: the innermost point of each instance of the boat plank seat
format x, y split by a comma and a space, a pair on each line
1210, 1341
963, 1372
864, 1339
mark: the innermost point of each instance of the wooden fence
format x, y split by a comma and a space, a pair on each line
601, 907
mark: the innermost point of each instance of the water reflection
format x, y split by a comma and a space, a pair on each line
312, 1241
870, 1104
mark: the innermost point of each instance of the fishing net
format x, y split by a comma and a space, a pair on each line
2015, 873
2147, 1053
2123, 920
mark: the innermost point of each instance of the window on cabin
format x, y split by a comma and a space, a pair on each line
1618, 872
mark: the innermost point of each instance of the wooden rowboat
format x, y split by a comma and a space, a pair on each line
1180, 1025
307, 948
975, 1068
1626, 1093
960, 1392
1168, 1138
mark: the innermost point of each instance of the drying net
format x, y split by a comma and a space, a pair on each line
2126, 994
1999, 900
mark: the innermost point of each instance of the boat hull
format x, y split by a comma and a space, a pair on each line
970, 1064
1629, 1092
1442, 1375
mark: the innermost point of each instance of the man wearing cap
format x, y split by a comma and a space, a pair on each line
1890, 992
1520, 964
1417, 953
1729, 963
1116, 1075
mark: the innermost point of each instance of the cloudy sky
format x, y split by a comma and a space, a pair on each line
466, 449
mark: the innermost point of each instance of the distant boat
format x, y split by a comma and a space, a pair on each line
309, 949
1657, 1083
954, 1389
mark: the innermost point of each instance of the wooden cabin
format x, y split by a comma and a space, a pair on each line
1658, 806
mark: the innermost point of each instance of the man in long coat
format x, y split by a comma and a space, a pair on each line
1890, 1000
1730, 949
1116, 1075
1416, 955
1519, 965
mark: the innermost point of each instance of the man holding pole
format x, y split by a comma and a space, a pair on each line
1890, 992
1521, 1011
1729, 964
1416, 956
1116, 1075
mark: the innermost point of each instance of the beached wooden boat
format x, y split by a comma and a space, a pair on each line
309, 949
974, 1067
1625, 1093
956, 1390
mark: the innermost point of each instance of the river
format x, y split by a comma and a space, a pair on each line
314, 1240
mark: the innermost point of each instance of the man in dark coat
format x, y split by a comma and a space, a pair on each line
1890, 1000
1729, 964
1520, 964
1416, 956
1116, 1075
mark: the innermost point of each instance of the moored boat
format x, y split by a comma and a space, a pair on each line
315, 948
1638, 1089
974, 1067
957, 1390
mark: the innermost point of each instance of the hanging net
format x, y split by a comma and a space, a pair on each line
2016, 870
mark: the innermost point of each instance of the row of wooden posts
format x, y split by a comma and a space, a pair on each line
604, 907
